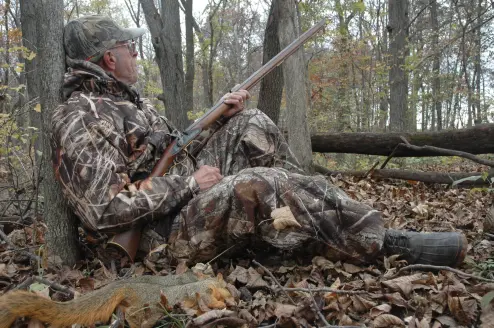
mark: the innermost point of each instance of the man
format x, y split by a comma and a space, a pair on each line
240, 186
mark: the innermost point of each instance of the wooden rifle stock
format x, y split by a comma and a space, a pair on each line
129, 240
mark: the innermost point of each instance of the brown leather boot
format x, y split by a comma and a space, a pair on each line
436, 248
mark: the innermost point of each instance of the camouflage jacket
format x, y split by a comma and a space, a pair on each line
103, 137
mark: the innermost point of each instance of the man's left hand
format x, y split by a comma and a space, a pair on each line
236, 100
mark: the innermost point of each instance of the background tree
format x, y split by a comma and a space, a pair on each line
271, 90
62, 224
398, 80
294, 76
168, 50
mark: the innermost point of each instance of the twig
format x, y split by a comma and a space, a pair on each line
389, 157
318, 311
449, 152
489, 234
275, 280
54, 285
371, 169
440, 267
29, 254
327, 290
214, 258
119, 321
25, 283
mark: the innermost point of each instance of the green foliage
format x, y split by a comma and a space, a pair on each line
194, 116
485, 269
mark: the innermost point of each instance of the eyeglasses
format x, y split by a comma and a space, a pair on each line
131, 46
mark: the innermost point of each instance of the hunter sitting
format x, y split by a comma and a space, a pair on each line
107, 139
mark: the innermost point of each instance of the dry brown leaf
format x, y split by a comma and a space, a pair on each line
283, 218
396, 299
402, 284
211, 315
345, 320
328, 297
361, 304
446, 321
388, 320
322, 263
350, 268
255, 279
240, 274
247, 316
86, 284
463, 309
380, 309
284, 310
181, 267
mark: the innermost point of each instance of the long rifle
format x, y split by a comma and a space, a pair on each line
129, 240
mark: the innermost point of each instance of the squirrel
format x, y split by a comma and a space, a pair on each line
138, 298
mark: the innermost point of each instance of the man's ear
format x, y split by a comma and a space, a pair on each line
109, 61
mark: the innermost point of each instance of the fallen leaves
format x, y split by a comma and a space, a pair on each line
249, 277
283, 218
388, 320
403, 284
418, 299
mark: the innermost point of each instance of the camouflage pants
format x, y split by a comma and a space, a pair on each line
261, 175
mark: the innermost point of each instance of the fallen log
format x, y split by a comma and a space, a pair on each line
475, 140
428, 177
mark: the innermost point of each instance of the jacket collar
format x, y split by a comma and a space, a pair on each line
88, 77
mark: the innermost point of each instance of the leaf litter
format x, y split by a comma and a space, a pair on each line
411, 299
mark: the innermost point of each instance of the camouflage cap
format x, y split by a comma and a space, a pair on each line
89, 37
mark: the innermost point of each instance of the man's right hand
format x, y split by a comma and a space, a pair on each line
207, 176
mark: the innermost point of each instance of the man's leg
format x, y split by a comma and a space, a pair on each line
249, 139
238, 211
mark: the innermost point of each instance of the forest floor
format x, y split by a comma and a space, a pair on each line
380, 295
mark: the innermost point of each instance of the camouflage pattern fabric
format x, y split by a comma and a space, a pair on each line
104, 137
261, 175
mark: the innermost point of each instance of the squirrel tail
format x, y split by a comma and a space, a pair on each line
86, 310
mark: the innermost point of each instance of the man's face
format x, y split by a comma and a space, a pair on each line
126, 62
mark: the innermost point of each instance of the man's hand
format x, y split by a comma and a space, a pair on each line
237, 100
207, 176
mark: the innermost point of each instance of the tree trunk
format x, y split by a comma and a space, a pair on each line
29, 38
476, 140
190, 70
477, 64
165, 35
427, 177
436, 65
271, 90
398, 81
382, 88
294, 74
62, 224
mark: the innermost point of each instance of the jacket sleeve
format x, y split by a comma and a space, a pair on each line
95, 181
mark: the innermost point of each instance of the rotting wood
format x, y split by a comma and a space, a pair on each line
475, 140
427, 177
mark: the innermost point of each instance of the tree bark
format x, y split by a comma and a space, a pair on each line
436, 66
475, 140
427, 177
165, 35
190, 69
398, 80
271, 90
294, 75
62, 224
29, 38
